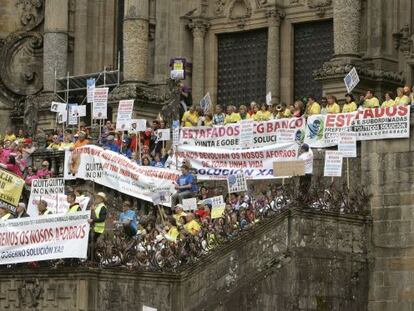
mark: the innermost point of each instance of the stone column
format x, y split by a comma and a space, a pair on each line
199, 28
273, 54
135, 41
347, 27
55, 42
81, 34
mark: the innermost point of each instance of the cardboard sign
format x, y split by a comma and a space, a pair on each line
347, 145
289, 168
90, 87
236, 183
333, 164
190, 204
62, 117
100, 103
269, 99
218, 211
246, 133
123, 119
351, 80
11, 187
163, 134
138, 125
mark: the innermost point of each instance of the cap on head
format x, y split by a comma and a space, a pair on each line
305, 147
101, 195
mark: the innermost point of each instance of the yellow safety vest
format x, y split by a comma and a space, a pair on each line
99, 227
75, 208
47, 212
5, 217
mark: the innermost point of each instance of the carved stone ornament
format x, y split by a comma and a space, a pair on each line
240, 9
32, 13
30, 293
320, 6
219, 6
403, 41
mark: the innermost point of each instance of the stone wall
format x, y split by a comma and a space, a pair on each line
298, 260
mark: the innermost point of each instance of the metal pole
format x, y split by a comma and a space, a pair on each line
119, 65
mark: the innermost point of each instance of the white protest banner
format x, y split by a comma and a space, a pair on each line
100, 103
347, 145
123, 119
176, 132
190, 204
333, 164
57, 204
44, 238
82, 111
214, 201
351, 80
163, 134
113, 170
72, 114
228, 136
269, 99
246, 133
58, 107
218, 211
217, 163
236, 183
205, 103
368, 124
90, 87
146, 308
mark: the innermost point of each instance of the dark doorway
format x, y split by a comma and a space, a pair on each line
313, 46
242, 67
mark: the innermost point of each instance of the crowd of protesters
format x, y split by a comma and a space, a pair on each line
161, 226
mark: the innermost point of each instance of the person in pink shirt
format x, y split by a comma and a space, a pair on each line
11, 166
3, 156
44, 172
31, 174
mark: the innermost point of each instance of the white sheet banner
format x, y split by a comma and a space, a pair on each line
44, 238
228, 136
368, 124
217, 163
100, 103
118, 172
57, 204
123, 119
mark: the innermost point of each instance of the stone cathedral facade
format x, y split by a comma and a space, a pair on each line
238, 50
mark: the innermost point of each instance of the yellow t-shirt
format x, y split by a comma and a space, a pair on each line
172, 234
192, 227
232, 118
388, 103
177, 216
315, 108
11, 137
262, 116
404, 100
334, 108
192, 116
371, 103
54, 146
349, 107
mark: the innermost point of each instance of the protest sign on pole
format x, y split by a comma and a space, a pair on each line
100, 103
82, 111
213, 201
72, 114
90, 87
347, 145
236, 183
176, 132
351, 80
368, 124
269, 99
246, 133
44, 238
11, 187
190, 204
333, 164
123, 119
138, 125
217, 211
160, 197
163, 134
57, 107
205, 103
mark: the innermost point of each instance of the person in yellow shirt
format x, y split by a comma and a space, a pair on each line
389, 102
55, 145
370, 101
263, 114
350, 105
232, 116
190, 117
312, 107
9, 135
178, 213
192, 226
332, 106
282, 111
402, 99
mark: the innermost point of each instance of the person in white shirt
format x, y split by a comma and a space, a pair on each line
305, 181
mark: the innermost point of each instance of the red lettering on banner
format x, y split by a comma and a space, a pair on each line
330, 120
402, 110
368, 113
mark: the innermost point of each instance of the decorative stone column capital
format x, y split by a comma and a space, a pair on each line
274, 17
199, 27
